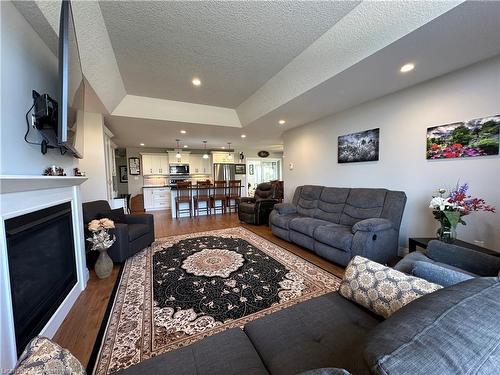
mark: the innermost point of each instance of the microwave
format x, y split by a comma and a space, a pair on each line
179, 168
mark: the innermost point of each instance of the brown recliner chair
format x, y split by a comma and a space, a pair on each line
135, 234
256, 210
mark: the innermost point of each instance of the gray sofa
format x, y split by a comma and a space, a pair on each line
340, 223
427, 336
446, 264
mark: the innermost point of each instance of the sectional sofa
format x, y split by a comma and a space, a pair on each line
450, 331
340, 223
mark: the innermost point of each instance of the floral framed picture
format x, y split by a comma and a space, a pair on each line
464, 139
134, 166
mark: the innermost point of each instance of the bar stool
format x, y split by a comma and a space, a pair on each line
234, 195
184, 195
202, 195
219, 195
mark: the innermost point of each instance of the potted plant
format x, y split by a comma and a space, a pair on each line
102, 241
449, 209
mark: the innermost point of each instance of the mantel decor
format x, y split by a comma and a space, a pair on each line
449, 209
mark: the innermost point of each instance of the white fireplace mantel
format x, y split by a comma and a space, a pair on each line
20, 195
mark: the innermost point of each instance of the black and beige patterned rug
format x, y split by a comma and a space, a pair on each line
187, 287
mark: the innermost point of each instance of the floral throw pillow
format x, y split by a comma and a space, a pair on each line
42, 356
381, 289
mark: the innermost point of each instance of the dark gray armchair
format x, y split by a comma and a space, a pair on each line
447, 264
136, 233
256, 210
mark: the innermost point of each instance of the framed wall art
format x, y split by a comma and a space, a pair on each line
356, 147
464, 139
134, 166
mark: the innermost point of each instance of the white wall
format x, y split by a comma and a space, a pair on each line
26, 64
93, 162
403, 118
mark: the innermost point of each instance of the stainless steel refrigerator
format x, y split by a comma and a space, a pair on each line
224, 172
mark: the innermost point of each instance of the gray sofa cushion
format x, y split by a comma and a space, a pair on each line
452, 331
306, 225
331, 204
285, 208
326, 371
439, 275
327, 331
363, 204
339, 236
307, 200
282, 221
229, 352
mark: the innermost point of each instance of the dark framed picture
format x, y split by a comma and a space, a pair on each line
240, 169
356, 147
123, 173
134, 166
464, 139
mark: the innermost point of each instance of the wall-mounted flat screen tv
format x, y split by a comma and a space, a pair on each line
71, 86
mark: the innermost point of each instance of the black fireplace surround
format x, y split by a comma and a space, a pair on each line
41, 254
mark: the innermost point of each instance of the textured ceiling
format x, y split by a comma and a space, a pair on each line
234, 47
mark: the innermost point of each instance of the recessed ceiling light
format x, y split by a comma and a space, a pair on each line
281, 122
243, 136
185, 146
142, 144
223, 147
407, 68
183, 132
196, 81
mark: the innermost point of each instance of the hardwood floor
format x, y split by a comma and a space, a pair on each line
80, 328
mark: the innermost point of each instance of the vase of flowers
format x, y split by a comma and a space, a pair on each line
449, 209
101, 241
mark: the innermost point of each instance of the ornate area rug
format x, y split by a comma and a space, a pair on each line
187, 287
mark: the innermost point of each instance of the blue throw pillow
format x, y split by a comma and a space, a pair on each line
437, 274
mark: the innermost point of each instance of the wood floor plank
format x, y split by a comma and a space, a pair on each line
79, 330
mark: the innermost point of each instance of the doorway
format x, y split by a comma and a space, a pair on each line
259, 170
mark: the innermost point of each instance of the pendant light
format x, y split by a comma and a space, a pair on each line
178, 155
229, 154
205, 155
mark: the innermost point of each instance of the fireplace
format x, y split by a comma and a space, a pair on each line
42, 258
42, 269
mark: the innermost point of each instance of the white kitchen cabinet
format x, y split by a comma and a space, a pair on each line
198, 165
156, 198
155, 164
223, 157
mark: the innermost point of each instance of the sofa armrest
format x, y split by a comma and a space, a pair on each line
438, 275
285, 208
461, 257
372, 225
247, 200
139, 219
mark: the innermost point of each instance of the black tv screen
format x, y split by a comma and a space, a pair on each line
71, 86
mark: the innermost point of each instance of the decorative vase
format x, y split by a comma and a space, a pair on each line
447, 233
103, 265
